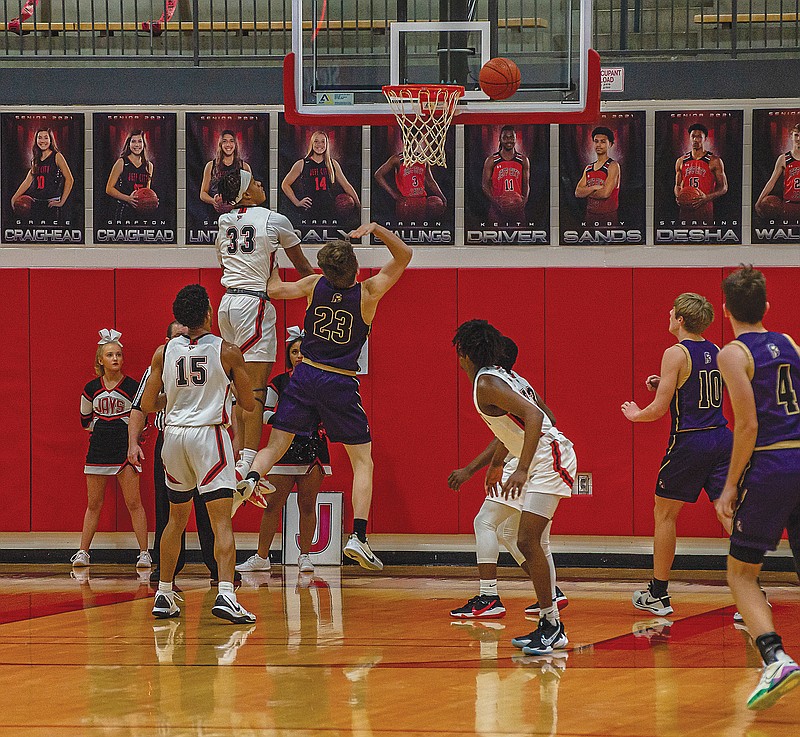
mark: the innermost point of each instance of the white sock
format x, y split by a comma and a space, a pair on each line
550, 614
246, 457
488, 588
164, 588
226, 587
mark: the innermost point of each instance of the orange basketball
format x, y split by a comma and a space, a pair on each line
772, 207
688, 195
499, 78
435, 206
23, 205
146, 199
344, 204
510, 202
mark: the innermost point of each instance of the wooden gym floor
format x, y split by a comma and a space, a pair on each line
347, 652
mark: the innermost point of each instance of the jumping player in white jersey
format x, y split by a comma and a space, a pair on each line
545, 463
247, 241
497, 522
195, 373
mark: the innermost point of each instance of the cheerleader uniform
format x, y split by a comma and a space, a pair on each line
105, 413
305, 452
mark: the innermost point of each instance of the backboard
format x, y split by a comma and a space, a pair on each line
345, 51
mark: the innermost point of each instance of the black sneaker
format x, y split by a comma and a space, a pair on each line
548, 636
487, 607
560, 600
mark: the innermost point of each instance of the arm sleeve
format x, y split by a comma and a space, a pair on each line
270, 403
287, 238
137, 398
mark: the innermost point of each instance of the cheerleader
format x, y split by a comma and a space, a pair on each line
304, 465
105, 409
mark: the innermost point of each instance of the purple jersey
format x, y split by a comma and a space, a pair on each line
697, 403
335, 332
776, 377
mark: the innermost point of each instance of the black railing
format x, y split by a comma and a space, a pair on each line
221, 31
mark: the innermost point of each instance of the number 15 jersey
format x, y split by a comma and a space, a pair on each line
198, 389
246, 243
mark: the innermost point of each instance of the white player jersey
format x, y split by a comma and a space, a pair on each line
198, 389
246, 242
509, 430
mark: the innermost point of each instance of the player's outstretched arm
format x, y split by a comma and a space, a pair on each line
279, 289
733, 364
233, 363
376, 286
673, 360
155, 383
299, 261
461, 475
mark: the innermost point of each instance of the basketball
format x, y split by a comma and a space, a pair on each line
146, 199
509, 202
22, 206
688, 195
435, 206
499, 78
344, 204
411, 208
772, 207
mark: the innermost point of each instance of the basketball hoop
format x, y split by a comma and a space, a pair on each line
424, 113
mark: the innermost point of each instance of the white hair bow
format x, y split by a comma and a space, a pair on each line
109, 336
295, 333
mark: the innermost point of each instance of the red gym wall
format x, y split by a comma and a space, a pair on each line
588, 338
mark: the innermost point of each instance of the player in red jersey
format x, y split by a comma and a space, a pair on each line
506, 179
702, 170
410, 186
599, 184
788, 167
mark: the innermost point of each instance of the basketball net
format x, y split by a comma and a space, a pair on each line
424, 113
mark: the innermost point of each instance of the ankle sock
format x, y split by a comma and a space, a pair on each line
658, 588
488, 587
769, 645
360, 529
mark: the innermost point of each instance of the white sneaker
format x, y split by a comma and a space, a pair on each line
164, 605
144, 560
80, 559
254, 563
658, 605
305, 564
249, 490
226, 607
362, 554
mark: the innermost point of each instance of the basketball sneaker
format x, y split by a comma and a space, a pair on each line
776, 679
560, 600
548, 636
80, 559
254, 563
144, 560
362, 554
226, 607
644, 600
305, 564
248, 489
164, 605
486, 606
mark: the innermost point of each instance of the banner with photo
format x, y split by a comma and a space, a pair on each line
698, 177
135, 178
507, 185
602, 181
215, 144
319, 179
42, 178
416, 201
776, 176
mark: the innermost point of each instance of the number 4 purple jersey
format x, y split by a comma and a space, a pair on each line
776, 378
697, 402
335, 332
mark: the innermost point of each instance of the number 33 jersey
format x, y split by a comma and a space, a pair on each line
198, 389
246, 243
335, 332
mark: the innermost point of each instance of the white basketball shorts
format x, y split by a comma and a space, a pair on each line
198, 457
249, 322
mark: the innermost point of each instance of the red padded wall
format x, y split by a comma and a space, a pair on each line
488, 294
16, 399
654, 291
68, 307
588, 343
414, 404
144, 309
